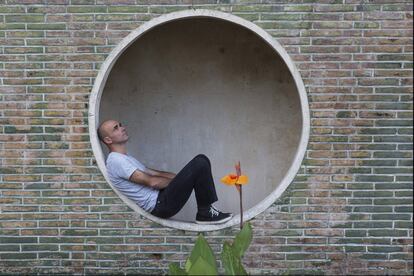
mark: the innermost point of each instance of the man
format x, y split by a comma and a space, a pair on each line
163, 194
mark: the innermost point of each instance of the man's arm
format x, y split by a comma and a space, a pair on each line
161, 173
156, 182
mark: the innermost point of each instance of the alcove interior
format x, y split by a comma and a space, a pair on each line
206, 85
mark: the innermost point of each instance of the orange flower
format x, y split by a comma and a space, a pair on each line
233, 179
237, 180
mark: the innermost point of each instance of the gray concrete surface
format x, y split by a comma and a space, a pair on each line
208, 86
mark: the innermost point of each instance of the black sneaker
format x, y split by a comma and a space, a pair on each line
212, 216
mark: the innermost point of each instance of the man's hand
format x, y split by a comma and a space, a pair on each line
155, 182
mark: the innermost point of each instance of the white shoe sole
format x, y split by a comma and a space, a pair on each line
215, 222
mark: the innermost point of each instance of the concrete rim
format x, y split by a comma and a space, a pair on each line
100, 81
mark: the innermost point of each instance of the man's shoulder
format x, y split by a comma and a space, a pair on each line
115, 157
120, 167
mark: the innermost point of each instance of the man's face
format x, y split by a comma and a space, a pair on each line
115, 132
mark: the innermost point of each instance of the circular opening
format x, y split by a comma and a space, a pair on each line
206, 82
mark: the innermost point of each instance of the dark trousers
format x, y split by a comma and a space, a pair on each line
196, 175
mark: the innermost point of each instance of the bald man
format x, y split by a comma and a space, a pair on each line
160, 193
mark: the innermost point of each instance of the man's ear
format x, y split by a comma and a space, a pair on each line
107, 140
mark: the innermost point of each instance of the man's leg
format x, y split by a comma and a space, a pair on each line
196, 175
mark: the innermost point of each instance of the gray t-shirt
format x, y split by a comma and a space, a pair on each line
120, 168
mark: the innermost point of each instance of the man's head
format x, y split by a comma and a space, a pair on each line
112, 133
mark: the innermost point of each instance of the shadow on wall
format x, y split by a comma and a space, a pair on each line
203, 85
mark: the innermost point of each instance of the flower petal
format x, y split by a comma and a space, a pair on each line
228, 180
243, 179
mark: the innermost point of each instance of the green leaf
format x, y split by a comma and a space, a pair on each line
201, 249
188, 265
175, 269
242, 240
202, 267
232, 263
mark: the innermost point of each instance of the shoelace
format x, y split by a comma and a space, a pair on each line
213, 211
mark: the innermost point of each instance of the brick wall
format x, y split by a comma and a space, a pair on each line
349, 210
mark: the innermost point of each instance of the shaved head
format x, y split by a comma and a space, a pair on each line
112, 132
103, 129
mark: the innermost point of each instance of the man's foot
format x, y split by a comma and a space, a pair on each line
212, 216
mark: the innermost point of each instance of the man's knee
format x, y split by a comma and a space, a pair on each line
202, 160
202, 156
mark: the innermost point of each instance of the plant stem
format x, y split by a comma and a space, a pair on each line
241, 206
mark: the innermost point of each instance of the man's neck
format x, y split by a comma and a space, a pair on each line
120, 148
